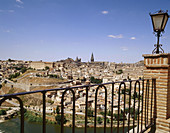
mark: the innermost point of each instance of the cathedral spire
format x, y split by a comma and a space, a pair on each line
92, 58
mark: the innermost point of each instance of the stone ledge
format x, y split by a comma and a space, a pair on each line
157, 60
164, 120
156, 66
156, 55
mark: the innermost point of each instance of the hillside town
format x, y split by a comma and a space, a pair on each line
19, 76
74, 69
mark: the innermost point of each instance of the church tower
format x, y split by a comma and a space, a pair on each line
92, 58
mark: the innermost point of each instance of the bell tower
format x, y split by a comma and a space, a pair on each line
92, 58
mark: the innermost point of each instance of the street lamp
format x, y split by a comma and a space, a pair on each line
159, 20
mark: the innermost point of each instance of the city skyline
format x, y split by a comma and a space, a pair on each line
50, 30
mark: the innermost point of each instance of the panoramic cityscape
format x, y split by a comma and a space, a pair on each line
84, 66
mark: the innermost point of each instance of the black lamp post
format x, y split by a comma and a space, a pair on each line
159, 20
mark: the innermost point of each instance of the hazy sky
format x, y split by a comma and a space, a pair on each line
50, 30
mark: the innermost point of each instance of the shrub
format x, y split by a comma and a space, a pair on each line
23, 70
58, 119
53, 76
90, 113
47, 68
109, 113
120, 71
57, 110
120, 116
108, 120
13, 76
102, 113
94, 80
99, 120
2, 112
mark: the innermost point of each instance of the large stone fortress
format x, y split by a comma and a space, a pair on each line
39, 65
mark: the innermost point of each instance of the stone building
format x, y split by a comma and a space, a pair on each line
39, 65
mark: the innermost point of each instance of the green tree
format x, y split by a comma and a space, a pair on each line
31, 117
99, 120
13, 76
53, 76
109, 113
96, 81
58, 119
128, 91
102, 113
9, 60
120, 71
57, 110
47, 68
108, 120
123, 91
2, 112
23, 70
30, 68
135, 95
126, 110
120, 116
90, 113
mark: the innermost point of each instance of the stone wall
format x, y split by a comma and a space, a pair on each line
19, 85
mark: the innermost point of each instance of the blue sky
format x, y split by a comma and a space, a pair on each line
51, 30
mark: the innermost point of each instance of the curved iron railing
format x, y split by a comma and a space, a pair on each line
145, 103
95, 116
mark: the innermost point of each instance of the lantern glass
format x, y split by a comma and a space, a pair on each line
157, 22
165, 21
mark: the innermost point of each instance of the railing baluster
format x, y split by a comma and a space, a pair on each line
62, 111
151, 102
95, 110
155, 112
112, 108
134, 108
95, 117
105, 109
22, 117
129, 105
44, 113
142, 104
124, 107
22, 113
85, 129
138, 106
118, 109
21, 110
148, 102
73, 129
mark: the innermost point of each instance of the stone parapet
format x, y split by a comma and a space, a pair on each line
157, 60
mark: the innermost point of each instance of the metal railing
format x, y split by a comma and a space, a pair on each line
139, 98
